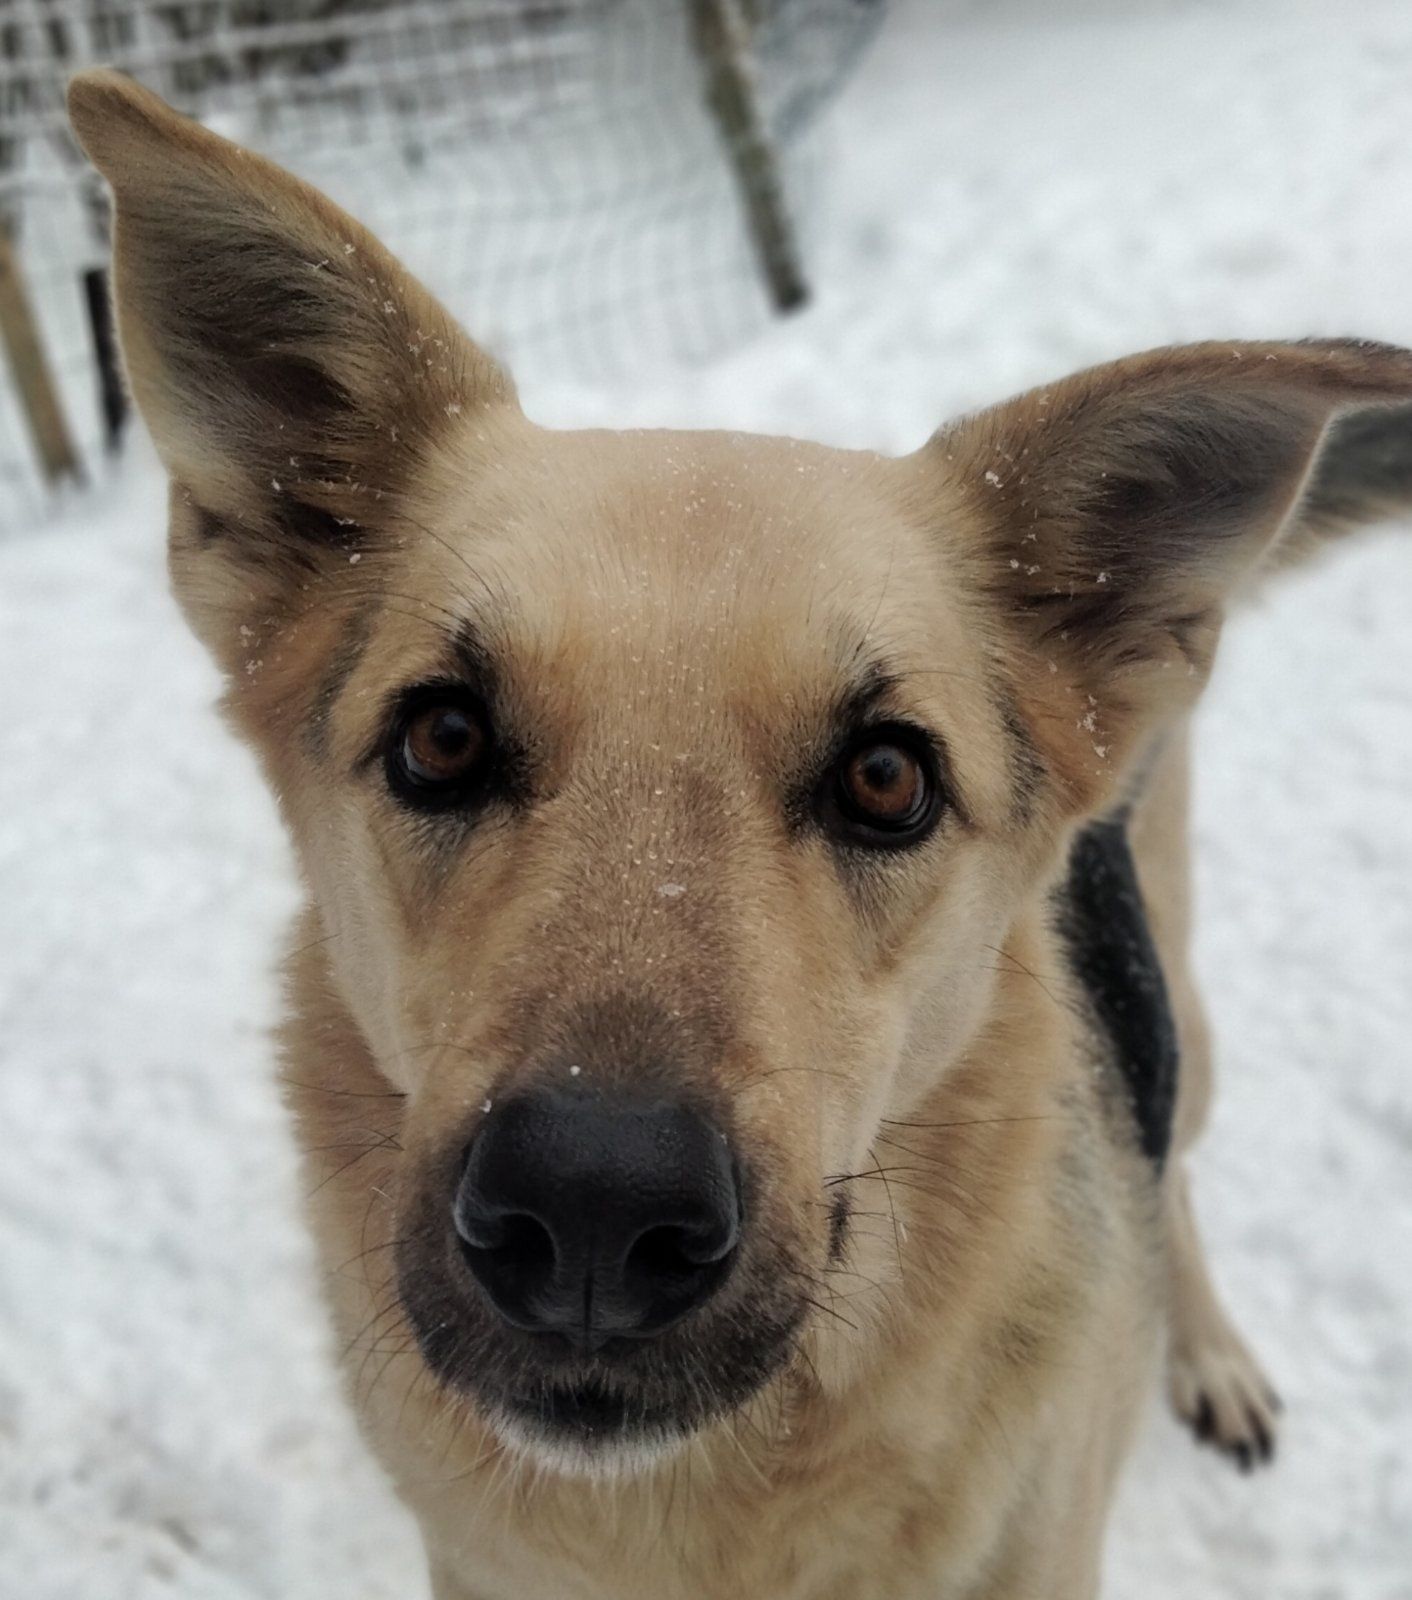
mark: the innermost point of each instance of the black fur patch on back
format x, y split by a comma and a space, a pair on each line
1103, 921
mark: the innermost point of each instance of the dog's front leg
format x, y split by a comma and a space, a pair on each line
1215, 1384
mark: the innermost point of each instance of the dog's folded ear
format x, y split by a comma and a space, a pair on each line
291, 373
1113, 514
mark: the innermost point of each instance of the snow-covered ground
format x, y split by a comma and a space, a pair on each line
1021, 187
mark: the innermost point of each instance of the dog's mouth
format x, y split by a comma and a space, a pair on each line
609, 1414
593, 1418
596, 1429
583, 1409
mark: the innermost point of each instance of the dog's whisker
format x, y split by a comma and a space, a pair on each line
313, 944
1016, 965
392, 1309
774, 1072
348, 1094
371, 1250
378, 1140
339, 1171
974, 1122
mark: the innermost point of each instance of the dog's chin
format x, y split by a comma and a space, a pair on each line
587, 1431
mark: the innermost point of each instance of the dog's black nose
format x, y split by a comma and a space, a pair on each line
595, 1216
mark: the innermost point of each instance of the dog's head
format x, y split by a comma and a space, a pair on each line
666, 798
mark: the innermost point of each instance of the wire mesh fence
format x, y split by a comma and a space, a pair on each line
590, 184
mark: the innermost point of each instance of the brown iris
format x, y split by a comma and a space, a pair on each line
441, 743
885, 785
884, 790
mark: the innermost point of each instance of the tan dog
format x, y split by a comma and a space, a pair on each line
728, 1032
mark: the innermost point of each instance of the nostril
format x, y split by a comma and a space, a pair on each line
707, 1244
479, 1232
660, 1253
674, 1253
517, 1239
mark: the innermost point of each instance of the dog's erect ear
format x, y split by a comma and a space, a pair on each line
292, 374
1118, 510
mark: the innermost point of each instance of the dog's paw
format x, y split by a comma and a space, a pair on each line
1219, 1391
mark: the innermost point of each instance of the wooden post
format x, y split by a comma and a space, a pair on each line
39, 398
112, 396
722, 38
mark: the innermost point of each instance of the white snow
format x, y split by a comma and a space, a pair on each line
1021, 188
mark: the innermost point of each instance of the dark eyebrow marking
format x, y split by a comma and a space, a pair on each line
471, 658
342, 663
860, 699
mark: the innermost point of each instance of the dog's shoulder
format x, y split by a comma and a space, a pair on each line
1102, 921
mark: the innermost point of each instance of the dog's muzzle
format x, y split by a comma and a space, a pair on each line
599, 1271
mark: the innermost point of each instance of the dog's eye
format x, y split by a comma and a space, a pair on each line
436, 749
885, 790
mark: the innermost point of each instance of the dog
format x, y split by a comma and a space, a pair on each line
741, 1032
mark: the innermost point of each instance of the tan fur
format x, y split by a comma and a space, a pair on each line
673, 618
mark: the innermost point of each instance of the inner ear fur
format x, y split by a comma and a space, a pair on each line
1112, 515
292, 374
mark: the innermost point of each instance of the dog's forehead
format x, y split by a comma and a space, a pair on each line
727, 559
611, 507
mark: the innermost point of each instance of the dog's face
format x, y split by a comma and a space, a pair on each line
667, 799
642, 796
